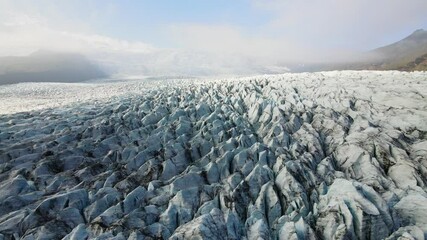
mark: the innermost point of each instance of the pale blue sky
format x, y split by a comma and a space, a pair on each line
269, 30
347, 23
147, 20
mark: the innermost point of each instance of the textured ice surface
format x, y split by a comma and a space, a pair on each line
332, 155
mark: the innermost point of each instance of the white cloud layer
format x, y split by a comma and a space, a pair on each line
357, 24
297, 32
211, 50
23, 34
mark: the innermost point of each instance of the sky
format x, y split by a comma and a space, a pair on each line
222, 35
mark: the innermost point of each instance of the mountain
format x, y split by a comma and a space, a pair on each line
46, 66
407, 54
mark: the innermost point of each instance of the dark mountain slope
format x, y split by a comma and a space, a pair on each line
44, 66
406, 54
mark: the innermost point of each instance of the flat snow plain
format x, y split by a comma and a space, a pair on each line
329, 155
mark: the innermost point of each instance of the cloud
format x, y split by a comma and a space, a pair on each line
22, 34
17, 20
293, 32
306, 31
334, 24
229, 40
224, 39
95, 42
204, 50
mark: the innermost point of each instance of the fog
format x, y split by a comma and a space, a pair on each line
264, 37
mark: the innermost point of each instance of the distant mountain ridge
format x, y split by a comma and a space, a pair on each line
406, 54
46, 66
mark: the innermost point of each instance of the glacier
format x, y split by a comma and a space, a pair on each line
326, 155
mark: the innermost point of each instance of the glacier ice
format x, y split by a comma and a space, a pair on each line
328, 155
